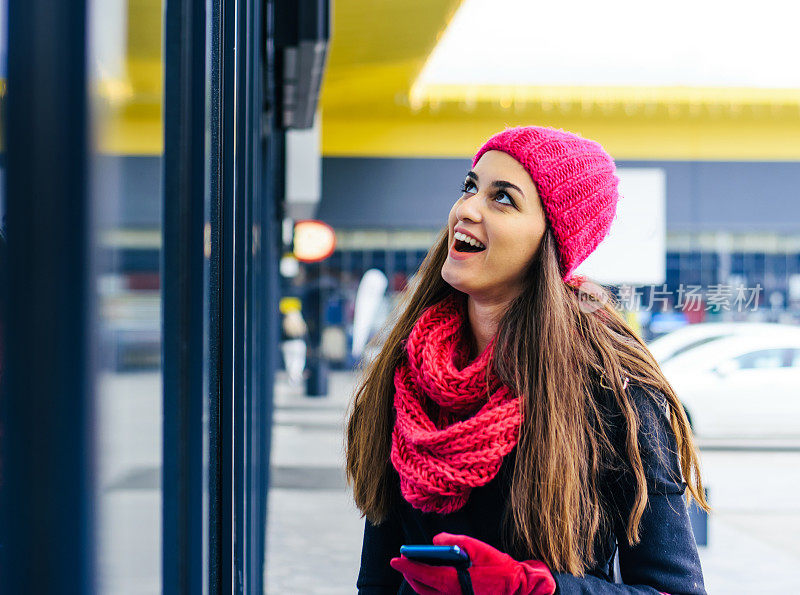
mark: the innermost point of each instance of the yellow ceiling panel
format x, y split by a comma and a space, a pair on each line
128, 109
370, 107
661, 137
378, 48
382, 31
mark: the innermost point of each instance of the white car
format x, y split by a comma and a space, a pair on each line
743, 386
690, 336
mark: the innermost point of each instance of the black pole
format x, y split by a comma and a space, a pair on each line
47, 452
229, 354
273, 190
314, 302
183, 284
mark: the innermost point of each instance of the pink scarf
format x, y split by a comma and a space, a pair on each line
439, 462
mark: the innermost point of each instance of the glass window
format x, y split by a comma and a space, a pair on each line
764, 358
793, 358
693, 344
126, 100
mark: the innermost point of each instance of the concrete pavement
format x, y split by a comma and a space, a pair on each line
314, 531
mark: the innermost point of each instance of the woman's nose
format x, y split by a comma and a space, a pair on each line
469, 208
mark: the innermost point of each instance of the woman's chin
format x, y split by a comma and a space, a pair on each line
456, 281
450, 278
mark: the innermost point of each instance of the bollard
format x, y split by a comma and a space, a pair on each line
317, 381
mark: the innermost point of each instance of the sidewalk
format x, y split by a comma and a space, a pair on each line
314, 530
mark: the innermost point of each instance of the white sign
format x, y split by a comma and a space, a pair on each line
634, 251
304, 164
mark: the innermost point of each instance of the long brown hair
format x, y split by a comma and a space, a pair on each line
548, 348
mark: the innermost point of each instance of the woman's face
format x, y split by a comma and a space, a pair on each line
500, 208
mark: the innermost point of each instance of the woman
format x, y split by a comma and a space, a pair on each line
507, 415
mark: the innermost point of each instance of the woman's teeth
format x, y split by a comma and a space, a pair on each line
465, 238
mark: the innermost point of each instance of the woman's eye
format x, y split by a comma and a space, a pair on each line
503, 194
466, 187
469, 187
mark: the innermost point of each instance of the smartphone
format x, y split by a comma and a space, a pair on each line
436, 555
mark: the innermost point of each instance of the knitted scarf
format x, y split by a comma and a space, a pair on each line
452, 429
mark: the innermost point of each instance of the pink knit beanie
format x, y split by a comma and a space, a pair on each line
576, 181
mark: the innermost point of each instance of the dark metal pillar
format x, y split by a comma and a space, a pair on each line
183, 286
47, 430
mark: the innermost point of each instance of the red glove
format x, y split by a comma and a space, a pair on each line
492, 572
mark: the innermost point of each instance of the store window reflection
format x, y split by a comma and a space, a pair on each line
126, 92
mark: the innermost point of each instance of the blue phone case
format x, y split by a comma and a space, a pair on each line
436, 555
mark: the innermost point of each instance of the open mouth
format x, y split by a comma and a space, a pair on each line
462, 246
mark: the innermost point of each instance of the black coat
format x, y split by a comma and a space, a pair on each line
665, 559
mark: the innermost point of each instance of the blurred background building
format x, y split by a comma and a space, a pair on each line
412, 91
406, 100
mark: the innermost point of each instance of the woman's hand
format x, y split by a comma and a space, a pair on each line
492, 571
